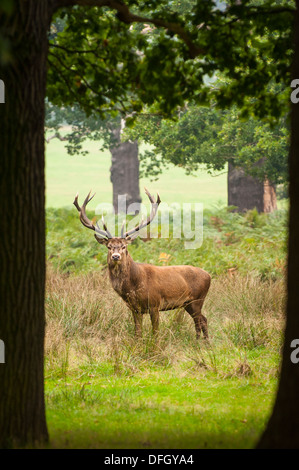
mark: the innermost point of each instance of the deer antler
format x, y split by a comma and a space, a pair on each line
105, 227
131, 234
122, 234
85, 220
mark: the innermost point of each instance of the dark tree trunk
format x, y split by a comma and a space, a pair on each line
282, 430
246, 192
22, 322
125, 174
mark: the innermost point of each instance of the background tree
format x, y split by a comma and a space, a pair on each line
255, 151
124, 173
130, 70
71, 125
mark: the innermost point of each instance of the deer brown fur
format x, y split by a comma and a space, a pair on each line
150, 289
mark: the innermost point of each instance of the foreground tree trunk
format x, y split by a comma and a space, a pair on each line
246, 192
124, 173
22, 322
282, 430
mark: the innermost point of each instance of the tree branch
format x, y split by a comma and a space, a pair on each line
76, 72
72, 51
127, 17
83, 105
254, 11
272, 11
55, 136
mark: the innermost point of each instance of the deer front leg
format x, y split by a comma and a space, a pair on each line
138, 317
154, 313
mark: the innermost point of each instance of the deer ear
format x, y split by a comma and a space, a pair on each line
102, 241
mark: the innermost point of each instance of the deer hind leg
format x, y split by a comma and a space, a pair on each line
200, 321
138, 317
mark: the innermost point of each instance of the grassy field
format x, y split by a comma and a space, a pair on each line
66, 175
106, 390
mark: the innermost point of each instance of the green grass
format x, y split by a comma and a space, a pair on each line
251, 242
97, 409
104, 389
66, 175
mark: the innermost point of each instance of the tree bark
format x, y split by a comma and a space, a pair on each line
125, 174
246, 192
269, 199
282, 430
22, 189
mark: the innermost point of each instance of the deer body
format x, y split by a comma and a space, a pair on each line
165, 287
150, 289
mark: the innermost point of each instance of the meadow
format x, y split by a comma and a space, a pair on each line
66, 175
105, 389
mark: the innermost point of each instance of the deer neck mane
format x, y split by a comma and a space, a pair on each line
121, 274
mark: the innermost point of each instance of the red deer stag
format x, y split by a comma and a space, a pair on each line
146, 288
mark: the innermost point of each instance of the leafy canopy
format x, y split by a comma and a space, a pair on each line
214, 137
159, 53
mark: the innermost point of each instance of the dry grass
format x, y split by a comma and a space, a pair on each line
88, 323
247, 311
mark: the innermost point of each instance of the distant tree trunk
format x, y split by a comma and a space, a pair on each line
282, 430
246, 192
22, 188
125, 173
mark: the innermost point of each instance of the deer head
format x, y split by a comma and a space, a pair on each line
117, 246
